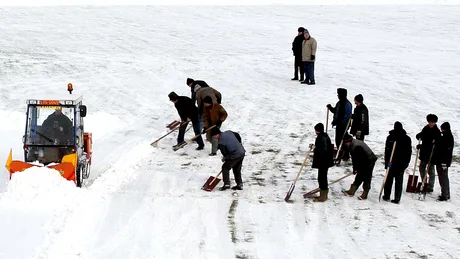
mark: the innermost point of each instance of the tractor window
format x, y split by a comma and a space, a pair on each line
50, 125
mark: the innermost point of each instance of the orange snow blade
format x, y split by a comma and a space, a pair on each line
66, 169
9, 160
19, 166
70, 158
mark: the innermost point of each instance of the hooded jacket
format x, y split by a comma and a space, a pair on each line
445, 146
403, 149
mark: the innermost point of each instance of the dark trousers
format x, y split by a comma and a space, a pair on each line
339, 131
298, 67
364, 177
443, 177
196, 129
309, 68
398, 177
322, 178
235, 165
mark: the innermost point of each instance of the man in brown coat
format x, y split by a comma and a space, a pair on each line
202, 92
213, 114
308, 58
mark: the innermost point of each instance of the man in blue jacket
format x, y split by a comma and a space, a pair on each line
342, 114
233, 154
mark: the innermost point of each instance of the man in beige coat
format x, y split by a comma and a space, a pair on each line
308, 58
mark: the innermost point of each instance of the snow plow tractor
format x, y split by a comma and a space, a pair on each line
55, 138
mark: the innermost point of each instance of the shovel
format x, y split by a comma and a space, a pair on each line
183, 144
388, 170
211, 183
172, 129
173, 124
310, 193
413, 179
339, 154
291, 188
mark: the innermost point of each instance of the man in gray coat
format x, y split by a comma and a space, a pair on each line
233, 154
363, 165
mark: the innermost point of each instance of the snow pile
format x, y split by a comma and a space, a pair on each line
40, 187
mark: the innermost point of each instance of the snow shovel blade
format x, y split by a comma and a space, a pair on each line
310, 193
288, 195
210, 184
412, 183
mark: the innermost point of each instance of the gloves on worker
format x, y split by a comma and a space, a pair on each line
313, 57
219, 123
444, 166
419, 146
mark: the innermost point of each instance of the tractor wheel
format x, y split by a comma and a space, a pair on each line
78, 176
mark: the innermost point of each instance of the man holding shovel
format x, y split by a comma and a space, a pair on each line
363, 165
399, 163
322, 159
233, 154
428, 135
213, 114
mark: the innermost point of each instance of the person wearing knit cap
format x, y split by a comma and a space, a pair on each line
322, 160
213, 114
233, 152
187, 110
428, 136
444, 150
297, 53
400, 161
363, 165
309, 46
360, 124
342, 113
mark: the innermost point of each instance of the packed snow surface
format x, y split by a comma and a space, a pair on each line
146, 202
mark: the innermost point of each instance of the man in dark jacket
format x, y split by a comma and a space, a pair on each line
360, 125
399, 163
58, 127
342, 113
233, 154
444, 149
429, 134
192, 84
297, 53
187, 110
363, 165
322, 160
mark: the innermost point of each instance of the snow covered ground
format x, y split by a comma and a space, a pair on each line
145, 202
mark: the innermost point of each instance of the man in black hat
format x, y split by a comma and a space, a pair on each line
187, 110
297, 53
444, 150
322, 159
342, 113
429, 134
233, 154
360, 125
399, 163
363, 165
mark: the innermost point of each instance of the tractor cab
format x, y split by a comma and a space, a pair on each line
55, 137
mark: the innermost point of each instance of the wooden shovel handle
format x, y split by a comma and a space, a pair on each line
215, 178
